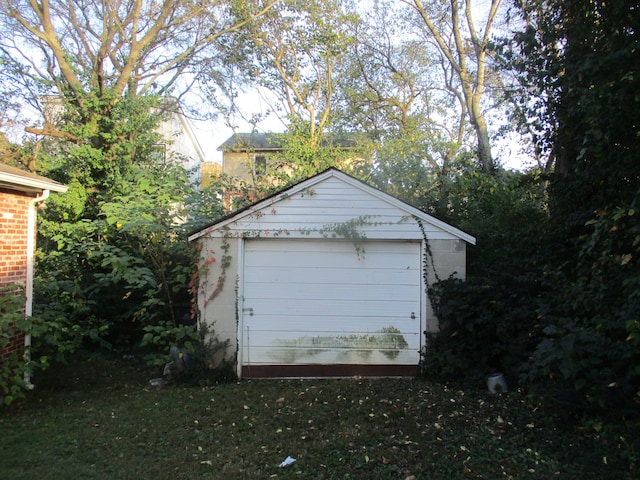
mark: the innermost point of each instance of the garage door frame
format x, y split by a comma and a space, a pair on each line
248, 370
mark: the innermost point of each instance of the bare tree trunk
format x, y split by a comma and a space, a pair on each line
485, 159
455, 48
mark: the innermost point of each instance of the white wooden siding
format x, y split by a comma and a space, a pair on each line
315, 212
322, 301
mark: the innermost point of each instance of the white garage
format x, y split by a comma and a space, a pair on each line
326, 278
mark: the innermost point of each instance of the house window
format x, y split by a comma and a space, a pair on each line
260, 165
159, 153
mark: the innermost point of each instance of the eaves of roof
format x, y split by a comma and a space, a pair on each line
15, 179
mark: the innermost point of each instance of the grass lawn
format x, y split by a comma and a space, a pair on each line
100, 419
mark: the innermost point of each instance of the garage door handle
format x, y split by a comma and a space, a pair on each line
250, 310
413, 315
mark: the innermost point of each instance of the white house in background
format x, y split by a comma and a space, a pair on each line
180, 139
245, 155
325, 278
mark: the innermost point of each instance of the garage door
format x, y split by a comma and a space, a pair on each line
330, 302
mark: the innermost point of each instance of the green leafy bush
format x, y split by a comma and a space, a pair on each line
484, 327
104, 279
187, 353
12, 322
66, 320
589, 355
17, 365
489, 322
158, 340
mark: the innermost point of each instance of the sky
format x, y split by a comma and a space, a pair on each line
213, 134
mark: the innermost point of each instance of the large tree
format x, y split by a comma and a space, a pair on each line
97, 73
294, 52
81, 50
584, 58
115, 256
292, 57
419, 108
465, 50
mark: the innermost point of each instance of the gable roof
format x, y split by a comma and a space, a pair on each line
239, 142
15, 179
262, 142
315, 180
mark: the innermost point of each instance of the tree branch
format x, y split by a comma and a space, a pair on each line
50, 131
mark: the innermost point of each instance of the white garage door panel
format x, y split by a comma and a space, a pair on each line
333, 306
322, 324
337, 291
321, 301
324, 276
345, 255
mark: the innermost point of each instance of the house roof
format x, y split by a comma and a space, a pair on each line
251, 141
255, 141
15, 179
311, 182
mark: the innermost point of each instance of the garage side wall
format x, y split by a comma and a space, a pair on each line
448, 259
217, 289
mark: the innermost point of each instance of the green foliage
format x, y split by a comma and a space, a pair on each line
590, 352
113, 255
12, 386
485, 326
293, 53
127, 268
306, 153
490, 322
19, 364
12, 322
406, 167
189, 354
212, 363
106, 138
206, 205
158, 340
506, 202
583, 58
69, 318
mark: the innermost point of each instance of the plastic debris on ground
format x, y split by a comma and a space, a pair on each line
157, 382
287, 461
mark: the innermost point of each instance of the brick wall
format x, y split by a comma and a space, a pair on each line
14, 209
